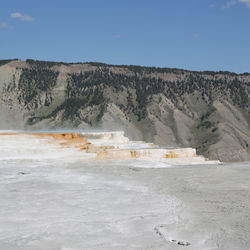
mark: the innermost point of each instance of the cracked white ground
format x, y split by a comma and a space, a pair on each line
54, 198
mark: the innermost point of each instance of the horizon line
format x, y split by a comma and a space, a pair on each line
125, 65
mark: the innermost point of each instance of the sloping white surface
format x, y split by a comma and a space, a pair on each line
46, 204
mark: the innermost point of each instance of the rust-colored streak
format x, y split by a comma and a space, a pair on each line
171, 155
76, 140
133, 154
66, 139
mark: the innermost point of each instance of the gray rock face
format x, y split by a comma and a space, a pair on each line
206, 110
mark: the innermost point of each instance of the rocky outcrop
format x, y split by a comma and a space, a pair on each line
170, 107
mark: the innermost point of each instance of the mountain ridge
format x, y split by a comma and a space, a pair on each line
53, 63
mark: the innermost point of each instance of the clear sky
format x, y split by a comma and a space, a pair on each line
189, 34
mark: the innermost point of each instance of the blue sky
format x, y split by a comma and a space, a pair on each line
189, 34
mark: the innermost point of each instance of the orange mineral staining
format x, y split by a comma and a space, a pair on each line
66, 139
171, 155
133, 154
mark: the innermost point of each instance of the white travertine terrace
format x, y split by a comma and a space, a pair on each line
115, 145
106, 146
56, 194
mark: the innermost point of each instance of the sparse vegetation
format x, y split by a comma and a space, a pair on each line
33, 81
3, 62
